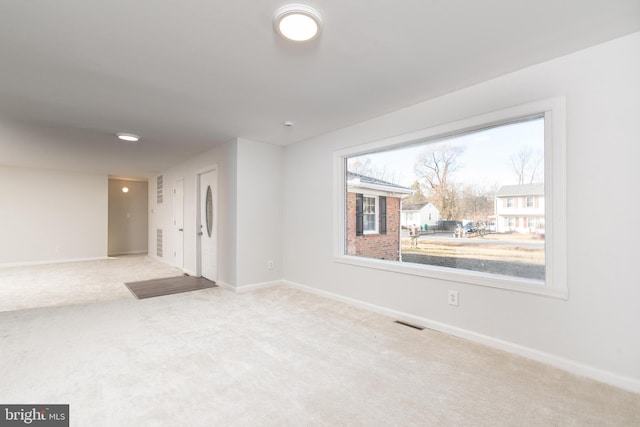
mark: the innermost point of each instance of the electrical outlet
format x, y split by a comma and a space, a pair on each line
58, 249
270, 264
452, 299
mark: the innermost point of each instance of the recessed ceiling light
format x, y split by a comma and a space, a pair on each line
287, 124
125, 189
129, 137
297, 22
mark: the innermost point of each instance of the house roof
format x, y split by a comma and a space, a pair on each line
414, 206
521, 190
363, 181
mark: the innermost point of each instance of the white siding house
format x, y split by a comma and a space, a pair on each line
520, 208
419, 214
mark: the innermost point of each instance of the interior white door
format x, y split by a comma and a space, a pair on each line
178, 223
209, 224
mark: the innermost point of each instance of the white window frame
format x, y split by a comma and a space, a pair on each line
509, 202
555, 283
526, 201
376, 220
531, 223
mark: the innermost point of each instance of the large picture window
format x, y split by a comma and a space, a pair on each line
466, 202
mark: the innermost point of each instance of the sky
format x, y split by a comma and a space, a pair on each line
485, 161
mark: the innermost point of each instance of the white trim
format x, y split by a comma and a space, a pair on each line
455, 275
381, 190
198, 200
52, 261
376, 214
256, 286
177, 236
129, 253
555, 284
249, 288
226, 285
616, 380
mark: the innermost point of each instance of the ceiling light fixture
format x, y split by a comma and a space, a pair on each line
297, 22
125, 189
129, 137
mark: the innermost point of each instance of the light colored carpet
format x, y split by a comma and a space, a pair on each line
76, 282
279, 357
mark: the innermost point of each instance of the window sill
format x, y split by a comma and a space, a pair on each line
467, 277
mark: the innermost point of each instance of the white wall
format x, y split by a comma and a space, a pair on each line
128, 217
249, 211
223, 158
596, 330
48, 215
259, 212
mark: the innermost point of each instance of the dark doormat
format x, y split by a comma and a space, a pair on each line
168, 286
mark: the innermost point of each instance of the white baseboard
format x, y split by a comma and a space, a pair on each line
128, 253
225, 285
256, 286
626, 383
52, 261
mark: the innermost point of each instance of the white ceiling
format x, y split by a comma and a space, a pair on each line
187, 75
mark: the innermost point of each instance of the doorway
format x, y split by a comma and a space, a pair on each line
178, 223
208, 224
127, 217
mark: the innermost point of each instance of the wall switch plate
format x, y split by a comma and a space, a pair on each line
452, 298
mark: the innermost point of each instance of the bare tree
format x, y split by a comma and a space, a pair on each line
418, 195
435, 166
477, 202
363, 166
526, 165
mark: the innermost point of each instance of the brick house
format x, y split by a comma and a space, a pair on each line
373, 217
520, 208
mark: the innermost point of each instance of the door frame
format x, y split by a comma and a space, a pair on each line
178, 236
198, 218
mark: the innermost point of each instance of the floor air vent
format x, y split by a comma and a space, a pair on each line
399, 322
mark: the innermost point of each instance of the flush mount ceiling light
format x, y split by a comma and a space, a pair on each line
125, 189
129, 137
297, 22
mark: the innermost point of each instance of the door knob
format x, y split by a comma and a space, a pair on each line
200, 233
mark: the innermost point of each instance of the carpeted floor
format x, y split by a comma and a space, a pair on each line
76, 282
279, 357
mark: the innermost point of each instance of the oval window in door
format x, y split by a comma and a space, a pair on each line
209, 210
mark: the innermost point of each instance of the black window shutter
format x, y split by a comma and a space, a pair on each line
383, 214
359, 214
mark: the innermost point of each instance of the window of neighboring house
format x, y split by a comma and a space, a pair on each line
370, 215
531, 223
464, 169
